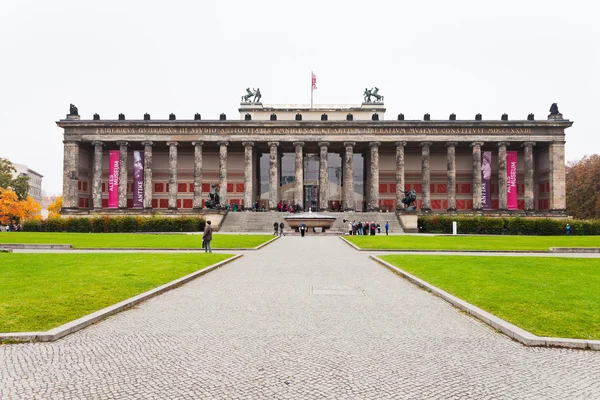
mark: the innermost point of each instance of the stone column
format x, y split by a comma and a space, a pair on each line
197, 201
299, 175
400, 175
248, 187
528, 149
349, 176
223, 172
374, 172
122, 174
451, 171
172, 175
273, 175
147, 174
425, 176
476, 175
557, 177
323, 176
70, 173
502, 179
97, 175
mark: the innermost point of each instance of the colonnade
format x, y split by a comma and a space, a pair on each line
556, 162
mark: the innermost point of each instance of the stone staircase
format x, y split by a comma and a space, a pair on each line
250, 221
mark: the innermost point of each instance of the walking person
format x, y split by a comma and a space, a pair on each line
302, 228
281, 225
350, 228
207, 237
275, 227
387, 227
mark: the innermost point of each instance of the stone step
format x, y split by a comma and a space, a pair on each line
249, 221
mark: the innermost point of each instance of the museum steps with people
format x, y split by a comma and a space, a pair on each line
248, 221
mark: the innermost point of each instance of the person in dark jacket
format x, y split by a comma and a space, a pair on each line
281, 225
302, 228
207, 237
275, 228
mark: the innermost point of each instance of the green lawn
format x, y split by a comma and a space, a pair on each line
415, 242
42, 291
558, 297
134, 240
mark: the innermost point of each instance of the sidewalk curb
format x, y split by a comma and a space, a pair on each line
266, 243
85, 321
351, 244
510, 330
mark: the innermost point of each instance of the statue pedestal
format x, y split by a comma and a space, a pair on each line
409, 222
555, 116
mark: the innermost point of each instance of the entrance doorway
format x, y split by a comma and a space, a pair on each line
311, 197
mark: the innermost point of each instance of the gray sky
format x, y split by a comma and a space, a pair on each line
184, 57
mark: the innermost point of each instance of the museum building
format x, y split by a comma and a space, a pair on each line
328, 158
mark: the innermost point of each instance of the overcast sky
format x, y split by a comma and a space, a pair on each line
514, 57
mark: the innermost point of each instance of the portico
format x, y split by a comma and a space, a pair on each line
325, 158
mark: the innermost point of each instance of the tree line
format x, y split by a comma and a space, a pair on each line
15, 204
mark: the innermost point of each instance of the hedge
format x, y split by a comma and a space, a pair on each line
117, 224
507, 226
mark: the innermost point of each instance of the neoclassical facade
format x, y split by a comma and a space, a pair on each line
324, 157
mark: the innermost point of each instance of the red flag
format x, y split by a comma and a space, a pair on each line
314, 81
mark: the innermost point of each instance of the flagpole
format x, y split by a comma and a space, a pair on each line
311, 89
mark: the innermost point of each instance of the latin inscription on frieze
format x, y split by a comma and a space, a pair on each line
311, 131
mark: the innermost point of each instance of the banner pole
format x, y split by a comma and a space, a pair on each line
311, 89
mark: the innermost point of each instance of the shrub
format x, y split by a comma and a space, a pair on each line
507, 226
117, 224
77, 225
31, 226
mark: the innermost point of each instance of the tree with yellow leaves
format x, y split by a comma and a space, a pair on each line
54, 208
13, 209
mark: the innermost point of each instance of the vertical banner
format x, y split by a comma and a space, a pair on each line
511, 179
486, 180
138, 179
113, 179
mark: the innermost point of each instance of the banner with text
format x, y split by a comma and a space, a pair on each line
138, 178
486, 180
511, 179
113, 179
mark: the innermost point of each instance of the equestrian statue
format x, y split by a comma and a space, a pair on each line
215, 200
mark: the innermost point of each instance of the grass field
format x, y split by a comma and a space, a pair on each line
414, 242
133, 240
42, 291
556, 297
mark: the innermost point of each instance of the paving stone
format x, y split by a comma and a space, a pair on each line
303, 318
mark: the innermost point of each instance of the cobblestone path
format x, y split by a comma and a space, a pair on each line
303, 318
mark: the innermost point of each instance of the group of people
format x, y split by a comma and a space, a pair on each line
278, 228
292, 208
12, 227
366, 228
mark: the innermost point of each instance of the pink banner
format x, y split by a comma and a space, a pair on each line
511, 179
113, 179
138, 178
486, 180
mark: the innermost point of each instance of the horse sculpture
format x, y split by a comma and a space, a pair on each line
215, 200
372, 93
409, 198
249, 94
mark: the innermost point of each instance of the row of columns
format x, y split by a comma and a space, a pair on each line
71, 162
